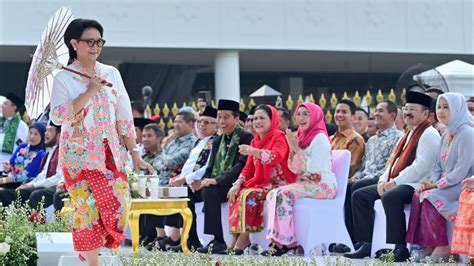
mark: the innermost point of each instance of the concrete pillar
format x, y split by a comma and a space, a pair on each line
227, 75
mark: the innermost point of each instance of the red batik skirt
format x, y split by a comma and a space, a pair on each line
246, 212
101, 202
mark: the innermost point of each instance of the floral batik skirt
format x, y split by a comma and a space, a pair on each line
246, 212
463, 236
101, 203
280, 225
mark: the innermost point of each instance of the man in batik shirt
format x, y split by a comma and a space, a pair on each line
346, 138
377, 152
193, 170
170, 162
151, 140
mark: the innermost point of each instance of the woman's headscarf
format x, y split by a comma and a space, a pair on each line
459, 114
41, 129
273, 134
316, 124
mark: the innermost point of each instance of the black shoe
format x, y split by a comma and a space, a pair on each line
274, 250
191, 246
236, 251
332, 246
213, 247
232, 251
254, 249
341, 248
360, 253
154, 244
167, 243
379, 253
357, 245
145, 240
398, 255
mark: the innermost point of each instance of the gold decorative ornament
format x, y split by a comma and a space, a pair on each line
392, 97
333, 100
147, 113
357, 98
300, 99
170, 123
328, 116
161, 124
379, 96
166, 110
157, 110
289, 103
368, 98
345, 96
174, 109
322, 101
251, 103
403, 96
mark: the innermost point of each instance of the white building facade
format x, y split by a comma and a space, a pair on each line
229, 37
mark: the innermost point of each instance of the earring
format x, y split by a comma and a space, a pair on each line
75, 49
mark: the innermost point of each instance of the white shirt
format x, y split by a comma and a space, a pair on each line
141, 149
426, 152
319, 159
21, 134
188, 168
41, 180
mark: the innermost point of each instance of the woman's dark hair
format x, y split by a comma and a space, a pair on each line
75, 30
264, 108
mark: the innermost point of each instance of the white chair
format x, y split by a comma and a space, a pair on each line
379, 236
321, 221
260, 238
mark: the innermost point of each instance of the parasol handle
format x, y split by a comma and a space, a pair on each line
106, 83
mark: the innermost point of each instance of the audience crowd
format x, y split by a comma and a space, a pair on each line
419, 155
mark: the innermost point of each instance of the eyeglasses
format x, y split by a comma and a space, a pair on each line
91, 42
205, 122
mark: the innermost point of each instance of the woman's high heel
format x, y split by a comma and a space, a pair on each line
236, 251
274, 250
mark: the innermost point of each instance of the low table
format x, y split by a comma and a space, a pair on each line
159, 207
